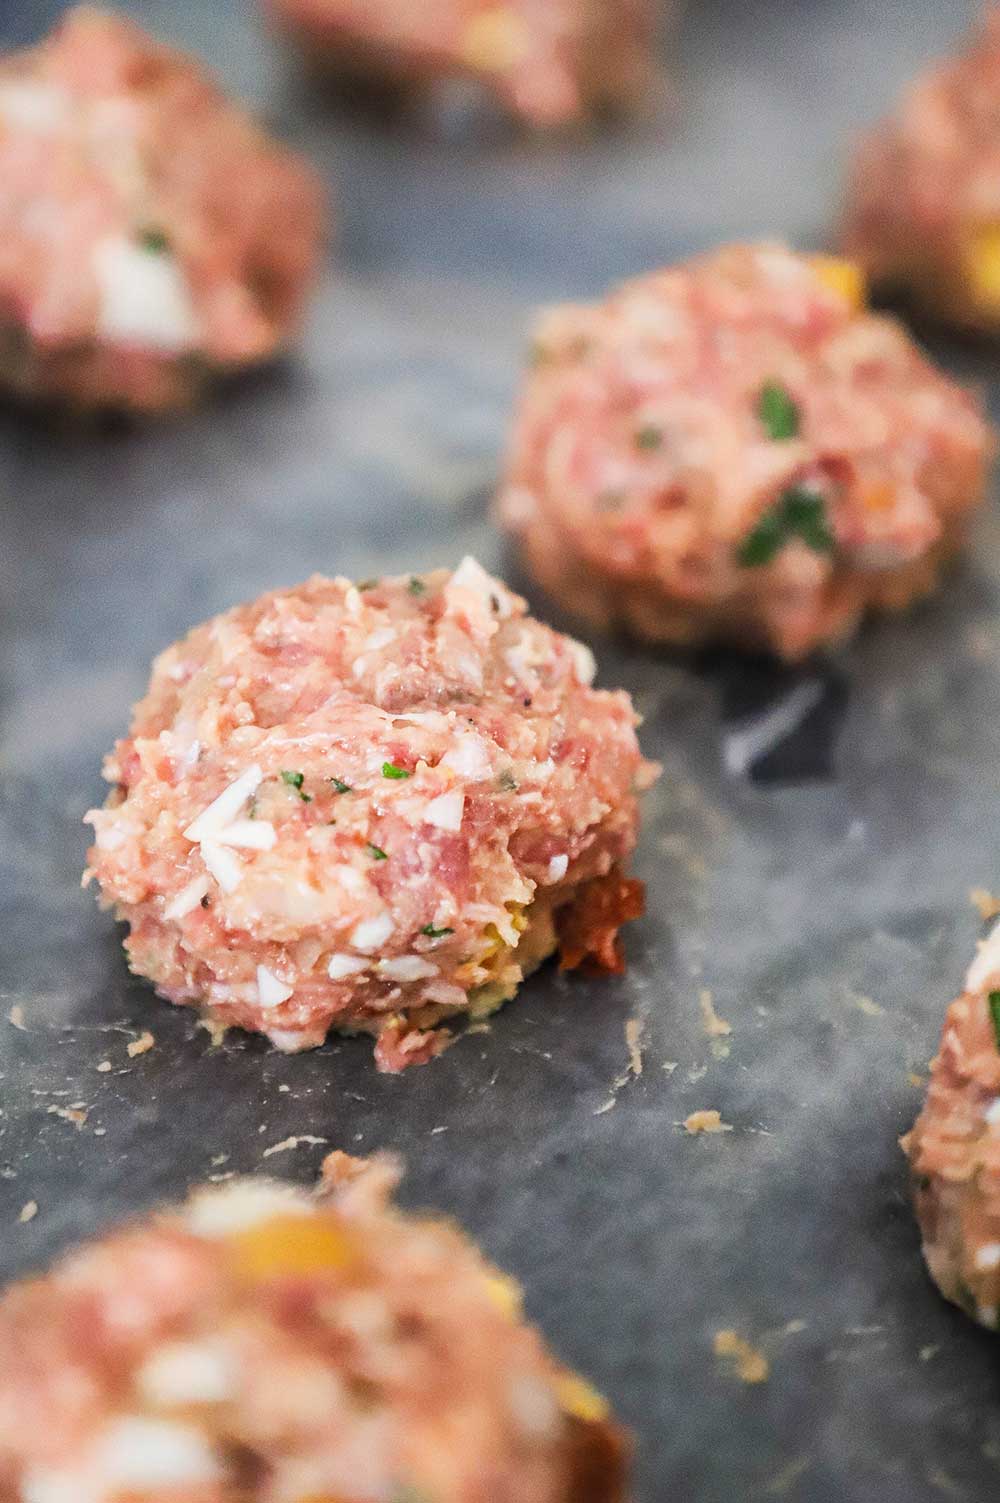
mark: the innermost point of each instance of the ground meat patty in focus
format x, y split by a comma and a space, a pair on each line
368, 807
550, 62
923, 204
734, 448
954, 1148
150, 233
260, 1343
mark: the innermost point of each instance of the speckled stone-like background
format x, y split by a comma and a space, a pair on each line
827, 915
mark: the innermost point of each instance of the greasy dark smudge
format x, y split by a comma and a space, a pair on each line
779, 724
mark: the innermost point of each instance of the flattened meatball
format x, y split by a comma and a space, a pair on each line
733, 448
550, 62
923, 203
954, 1148
369, 807
260, 1344
150, 233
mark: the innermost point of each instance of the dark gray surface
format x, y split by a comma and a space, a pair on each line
829, 919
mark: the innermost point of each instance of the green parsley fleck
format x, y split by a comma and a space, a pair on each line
798, 513
367, 584
339, 786
649, 437
778, 412
416, 585
433, 933
295, 780
154, 241
376, 852
995, 1015
507, 781
390, 770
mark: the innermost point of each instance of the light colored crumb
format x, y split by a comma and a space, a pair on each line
985, 904
749, 1364
216, 1031
867, 1005
104, 1067
287, 1144
916, 1080
670, 1065
219, 1159
929, 1351
28, 1212
715, 1026
141, 1045
705, 1121
74, 1114
633, 1043
16, 1018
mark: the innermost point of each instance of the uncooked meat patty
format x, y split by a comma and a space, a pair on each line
923, 209
734, 448
369, 807
261, 1345
551, 62
150, 233
954, 1148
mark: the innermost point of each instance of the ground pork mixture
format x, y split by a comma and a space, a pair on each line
954, 1148
551, 62
262, 1345
370, 806
150, 233
923, 207
734, 448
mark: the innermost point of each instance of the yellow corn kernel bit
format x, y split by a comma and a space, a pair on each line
843, 277
506, 1294
578, 1398
495, 41
495, 942
879, 498
982, 261
290, 1245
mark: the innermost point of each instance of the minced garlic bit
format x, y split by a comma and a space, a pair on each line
749, 1364
28, 1212
271, 991
705, 1122
340, 966
141, 1045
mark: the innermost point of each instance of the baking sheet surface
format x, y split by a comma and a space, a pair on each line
819, 897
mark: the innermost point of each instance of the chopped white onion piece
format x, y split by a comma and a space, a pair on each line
271, 991
372, 932
558, 866
222, 810
144, 296
446, 811
340, 966
407, 968
186, 1372
226, 868
248, 835
986, 965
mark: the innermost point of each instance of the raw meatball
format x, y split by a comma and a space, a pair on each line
954, 1148
260, 1344
150, 233
369, 807
551, 62
733, 448
923, 210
